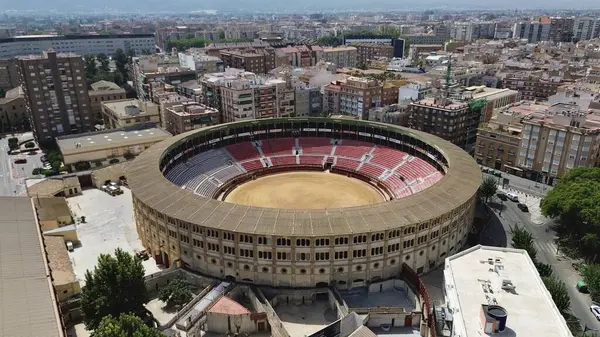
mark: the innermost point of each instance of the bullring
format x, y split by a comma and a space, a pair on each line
428, 189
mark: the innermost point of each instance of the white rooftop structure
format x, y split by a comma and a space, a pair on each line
491, 289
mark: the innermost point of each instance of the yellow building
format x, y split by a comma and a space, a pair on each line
103, 146
55, 187
64, 280
53, 212
128, 112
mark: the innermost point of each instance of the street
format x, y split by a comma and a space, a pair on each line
12, 176
497, 233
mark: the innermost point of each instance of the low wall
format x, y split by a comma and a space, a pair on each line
336, 302
277, 329
187, 307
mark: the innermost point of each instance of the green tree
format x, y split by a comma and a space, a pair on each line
522, 239
121, 62
177, 293
560, 295
115, 286
591, 276
488, 188
575, 203
186, 44
90, 66
127, 325
104, 62
332, 41
389, 30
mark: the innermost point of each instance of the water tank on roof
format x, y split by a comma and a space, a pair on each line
499, 314
132, 110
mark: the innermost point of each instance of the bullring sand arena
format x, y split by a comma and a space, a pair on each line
305, 190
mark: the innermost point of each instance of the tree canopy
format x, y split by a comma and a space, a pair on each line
575, 203
177, 293
332, 41
127, 325
186, 44
591, 276
104, 62
115, 286
488, 188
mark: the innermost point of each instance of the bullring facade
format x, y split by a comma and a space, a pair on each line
427, 214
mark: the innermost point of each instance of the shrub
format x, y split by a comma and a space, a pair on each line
37, 171
128, 155
98, 163
29, 145
113, 161
82, 166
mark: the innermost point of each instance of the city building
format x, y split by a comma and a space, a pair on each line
29, 301
396, 43
491, 290
56, 94
185, 117
356, 96
341, 56
495, 98
308, 101
585, 28
561, 29
301, 55
13, 113
370, 51
191, 89
532, 88
128, 112
445, 118
255, 98
560, 138
102, 146
78, 44
532, 31
255, 60
63, 277
150, 74
200, 62
210, 86
9, 74
103, 91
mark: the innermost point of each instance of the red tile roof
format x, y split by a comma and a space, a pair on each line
228, 306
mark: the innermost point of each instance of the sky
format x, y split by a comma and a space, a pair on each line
282, 5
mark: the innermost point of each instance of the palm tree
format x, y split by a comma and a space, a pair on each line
488, 188
522, 239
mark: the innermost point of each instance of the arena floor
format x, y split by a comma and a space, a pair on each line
305, 190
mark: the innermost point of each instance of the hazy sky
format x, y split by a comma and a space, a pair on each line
272, 5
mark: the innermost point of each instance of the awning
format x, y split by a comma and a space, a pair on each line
512, 167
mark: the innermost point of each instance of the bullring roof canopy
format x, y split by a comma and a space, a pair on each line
150, 187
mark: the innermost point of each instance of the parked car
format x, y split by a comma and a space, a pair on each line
512, 197
582, 287
44, 158
502, 196
21, 161
596, 311
523, 207
70, 246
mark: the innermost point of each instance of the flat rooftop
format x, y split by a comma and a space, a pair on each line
475, 277
58, 257
119, 107
115, 136
27, 302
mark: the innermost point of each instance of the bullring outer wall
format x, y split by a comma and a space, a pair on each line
304, 248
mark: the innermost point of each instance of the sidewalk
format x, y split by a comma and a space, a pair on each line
522, 184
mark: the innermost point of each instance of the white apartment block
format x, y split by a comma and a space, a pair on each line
586, 28
82, 45
532, 31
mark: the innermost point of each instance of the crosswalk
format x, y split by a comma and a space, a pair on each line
547, 247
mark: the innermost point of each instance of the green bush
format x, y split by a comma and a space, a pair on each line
13, 140
37, 171
113, 161
49, 173
98, 163
29, 145
82, 166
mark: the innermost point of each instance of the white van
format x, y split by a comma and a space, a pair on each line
512, 197
70, 246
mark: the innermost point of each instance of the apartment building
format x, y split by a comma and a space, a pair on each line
301, 55
532, 88
445, 118
342, 56
189, 116
495, 98
103, 91
78, 44
258, 61
356, 96
56, 95
561, 29
167, 100
147, 71
585, 28
13, 114
559, 139
308, 101
200, 62
370, 51
129, 112
532, 31
9, 74
254, 98
210, 87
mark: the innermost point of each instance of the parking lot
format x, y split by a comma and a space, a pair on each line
109, 225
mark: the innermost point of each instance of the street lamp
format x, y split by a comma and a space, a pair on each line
586, 329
